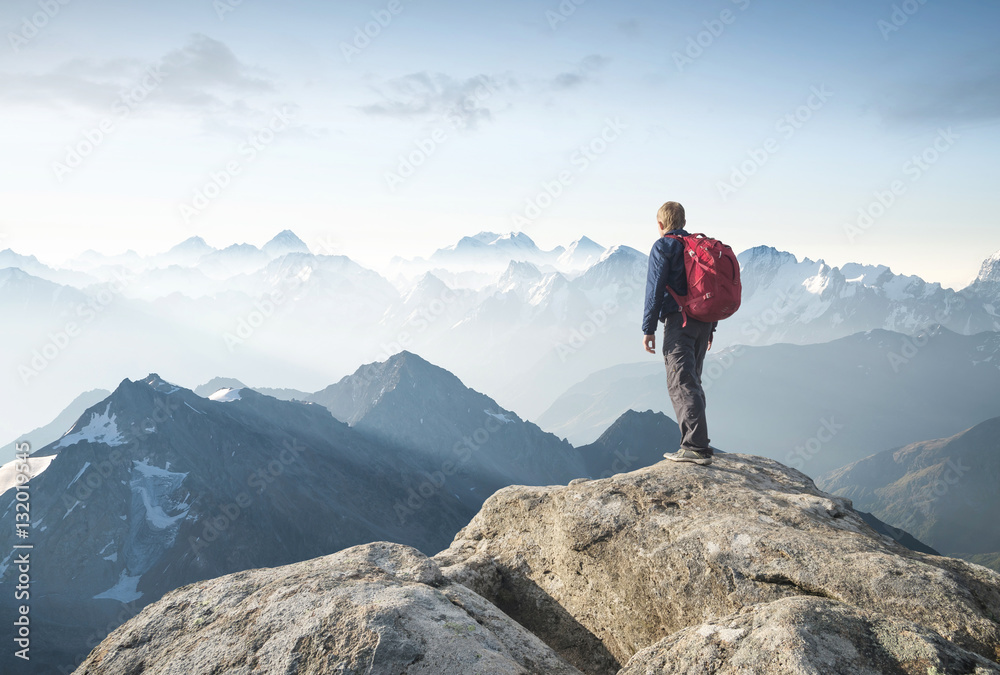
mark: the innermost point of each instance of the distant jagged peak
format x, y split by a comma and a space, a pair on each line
414, 364
191, 243
990, 270
581, 254
517, 240
767, 256
428, 281
239, 248
404, 371
157, 383
9, 255
16, 275
427, 288
622, 252
547, 286
283, 243
866, 275
519, 271
217, 383
584, 242
483, 237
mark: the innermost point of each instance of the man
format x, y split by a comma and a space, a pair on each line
684, 347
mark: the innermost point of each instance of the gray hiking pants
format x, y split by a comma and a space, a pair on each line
684, 350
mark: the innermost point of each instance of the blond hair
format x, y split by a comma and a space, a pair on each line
671, 217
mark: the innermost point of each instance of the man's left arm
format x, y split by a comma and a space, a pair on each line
656, 288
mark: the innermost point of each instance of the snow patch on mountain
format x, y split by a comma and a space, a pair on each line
123, 591
499, 416
100, 429
78, 474
8, 473
226, 395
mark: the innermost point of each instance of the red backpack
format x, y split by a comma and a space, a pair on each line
713, 277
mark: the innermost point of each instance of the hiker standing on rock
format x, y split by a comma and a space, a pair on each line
690, 276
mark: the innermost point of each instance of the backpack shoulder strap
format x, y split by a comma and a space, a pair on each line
678, 299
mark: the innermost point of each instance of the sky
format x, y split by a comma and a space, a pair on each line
849, 131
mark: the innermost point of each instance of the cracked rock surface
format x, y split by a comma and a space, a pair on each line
601, 570
377, 608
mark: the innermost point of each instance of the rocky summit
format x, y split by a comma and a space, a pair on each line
741, 567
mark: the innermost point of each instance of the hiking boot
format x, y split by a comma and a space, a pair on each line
692, 456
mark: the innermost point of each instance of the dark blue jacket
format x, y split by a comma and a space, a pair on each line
666, 267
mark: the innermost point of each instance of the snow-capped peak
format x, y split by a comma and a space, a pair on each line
622, 252
519, 272
283, 243
766, 256
581, 254
990, 271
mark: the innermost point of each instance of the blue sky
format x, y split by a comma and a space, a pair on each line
785, 121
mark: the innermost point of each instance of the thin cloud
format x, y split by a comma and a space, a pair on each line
583, 73
467, 102
204, 75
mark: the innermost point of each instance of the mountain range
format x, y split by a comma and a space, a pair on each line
504, 315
